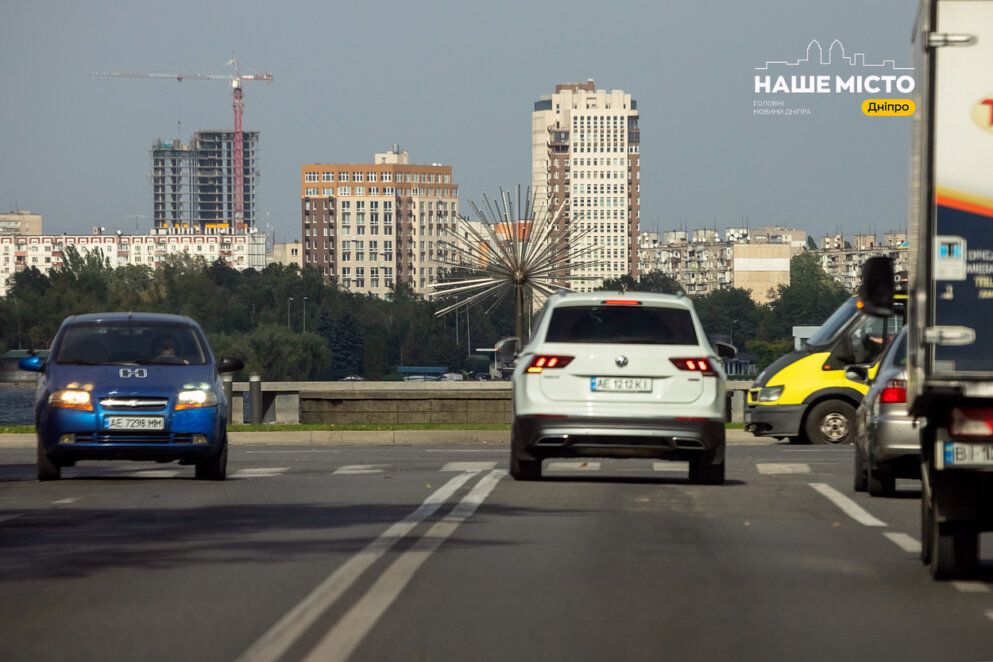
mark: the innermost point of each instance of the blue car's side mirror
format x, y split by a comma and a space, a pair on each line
31, 363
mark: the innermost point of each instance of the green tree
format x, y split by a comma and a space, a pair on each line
809, 299
655, 281
731, 313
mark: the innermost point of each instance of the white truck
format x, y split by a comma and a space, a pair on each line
950, 307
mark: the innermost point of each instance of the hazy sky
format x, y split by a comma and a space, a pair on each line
451, 82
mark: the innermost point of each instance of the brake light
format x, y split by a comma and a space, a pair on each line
621, 302
545, 361
895, 391
703, 366
971, 422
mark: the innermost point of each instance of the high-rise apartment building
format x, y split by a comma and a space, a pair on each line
193, 184
371, 225
20, 221
586, 167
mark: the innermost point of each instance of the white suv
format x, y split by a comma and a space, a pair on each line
627, 375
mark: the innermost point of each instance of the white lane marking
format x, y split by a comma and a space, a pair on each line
302, 450
273, 644
7, 518
260, 472
782, 468
905, 542
971, 587
359, 469
66, 500
678, 467
989, 614
342, 640
468, 466
574, 466
847, 506
154, 473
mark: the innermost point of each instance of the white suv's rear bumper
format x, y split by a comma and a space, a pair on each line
540, 437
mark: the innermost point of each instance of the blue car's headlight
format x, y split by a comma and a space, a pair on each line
71, 399
196, 398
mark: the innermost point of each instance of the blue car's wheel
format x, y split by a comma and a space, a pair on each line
216, 467
47, 469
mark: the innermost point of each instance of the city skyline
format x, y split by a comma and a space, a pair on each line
76, 146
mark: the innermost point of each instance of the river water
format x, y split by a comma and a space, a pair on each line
16, 406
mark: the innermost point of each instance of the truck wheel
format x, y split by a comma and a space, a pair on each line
880, 481
860, 482
926, 520
954, 550
831, 422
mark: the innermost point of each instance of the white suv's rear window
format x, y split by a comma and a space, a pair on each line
640, 325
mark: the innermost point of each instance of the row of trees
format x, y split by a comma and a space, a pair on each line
261, 316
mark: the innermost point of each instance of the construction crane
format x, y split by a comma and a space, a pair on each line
239, 104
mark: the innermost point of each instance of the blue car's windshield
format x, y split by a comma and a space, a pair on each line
109, 343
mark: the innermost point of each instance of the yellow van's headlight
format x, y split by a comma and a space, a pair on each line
770, 393
71, 399
196, 398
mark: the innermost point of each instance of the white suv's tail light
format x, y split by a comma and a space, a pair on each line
546, 361
703, 366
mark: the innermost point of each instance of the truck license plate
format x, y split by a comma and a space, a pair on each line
135, 423
957, 455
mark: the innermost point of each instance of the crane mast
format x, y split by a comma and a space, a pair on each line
238, 103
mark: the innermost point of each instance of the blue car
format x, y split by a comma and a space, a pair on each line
131, 386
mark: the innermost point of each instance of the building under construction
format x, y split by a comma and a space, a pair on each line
193, 184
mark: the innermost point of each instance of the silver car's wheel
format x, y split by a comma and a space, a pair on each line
860, 482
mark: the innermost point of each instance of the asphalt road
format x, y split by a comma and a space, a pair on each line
430, 552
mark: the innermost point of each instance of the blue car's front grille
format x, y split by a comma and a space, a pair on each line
133, 404
134, 437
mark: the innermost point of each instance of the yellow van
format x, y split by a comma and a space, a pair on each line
805, 395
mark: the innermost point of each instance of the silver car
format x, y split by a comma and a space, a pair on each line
887, 444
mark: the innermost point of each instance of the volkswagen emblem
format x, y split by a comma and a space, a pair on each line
621, 361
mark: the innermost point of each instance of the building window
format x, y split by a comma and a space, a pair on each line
327, 177
310, 177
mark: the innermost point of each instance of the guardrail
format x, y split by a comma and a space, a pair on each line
456, 403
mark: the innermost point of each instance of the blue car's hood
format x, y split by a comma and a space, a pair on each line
161, 380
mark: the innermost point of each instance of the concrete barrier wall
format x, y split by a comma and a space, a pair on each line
399, 403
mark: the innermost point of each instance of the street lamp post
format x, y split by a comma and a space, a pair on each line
288, 302
305, 314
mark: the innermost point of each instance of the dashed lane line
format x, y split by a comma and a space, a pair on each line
905, 542
260, 472
574, 466
342, 639
971, 587
774, 468
7, 518
154, 473
65, 501
281, 636
459, 467
847, 506
358, 469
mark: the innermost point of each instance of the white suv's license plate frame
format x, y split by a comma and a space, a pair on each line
956, 455
134, 423
621, 384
